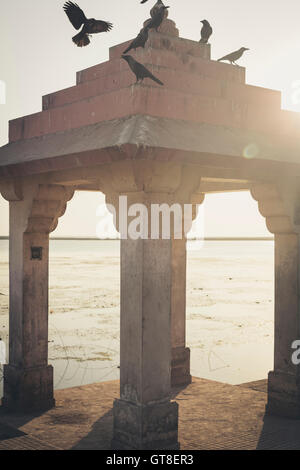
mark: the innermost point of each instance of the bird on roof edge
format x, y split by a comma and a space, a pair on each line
140, 70
155, 9
89, 26
157, 19
206, 31
234, 56
139, 41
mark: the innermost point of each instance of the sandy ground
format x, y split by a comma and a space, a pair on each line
229, 310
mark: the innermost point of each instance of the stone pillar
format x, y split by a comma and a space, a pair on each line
144, 417
180, 368
28, 379
284, 381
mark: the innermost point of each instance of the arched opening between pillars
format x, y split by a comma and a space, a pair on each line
84, 295
230, 292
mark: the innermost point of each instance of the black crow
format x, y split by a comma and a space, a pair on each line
156, 21
139, 41
139, 70
90, 26
234, 55
156, 8
206, 31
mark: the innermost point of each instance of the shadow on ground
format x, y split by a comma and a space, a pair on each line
212, 416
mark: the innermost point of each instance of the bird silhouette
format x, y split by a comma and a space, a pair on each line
139, 41
154, 10
234, 56
90, 26
140, 70
206, 31
156, 21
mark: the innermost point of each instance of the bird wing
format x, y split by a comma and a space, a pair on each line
99, 26
143, 72
141, 69
206, 32
75, 14
231, 56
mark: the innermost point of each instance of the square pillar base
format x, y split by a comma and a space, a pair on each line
180, 367
152, 427
283, 395
28, 390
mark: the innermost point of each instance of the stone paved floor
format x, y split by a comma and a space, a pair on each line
212, 415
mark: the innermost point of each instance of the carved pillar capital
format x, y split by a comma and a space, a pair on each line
11, 190
272, 206
151, 183
48, 204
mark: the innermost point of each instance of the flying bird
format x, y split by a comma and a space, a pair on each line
139, 70
234, 56
144, 1
156, 21
156, 8
206, 32
89, 26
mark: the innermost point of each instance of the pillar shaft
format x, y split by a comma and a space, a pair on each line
144, 417
28, 321
145, 320
28, 379
284, 383
180, 370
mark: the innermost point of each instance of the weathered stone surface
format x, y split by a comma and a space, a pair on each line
180, 367
28, 380
212, 415
283, 395
28, 389
152, 426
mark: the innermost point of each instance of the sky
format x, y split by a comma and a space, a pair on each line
37, 57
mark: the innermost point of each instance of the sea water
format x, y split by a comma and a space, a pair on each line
230, 304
